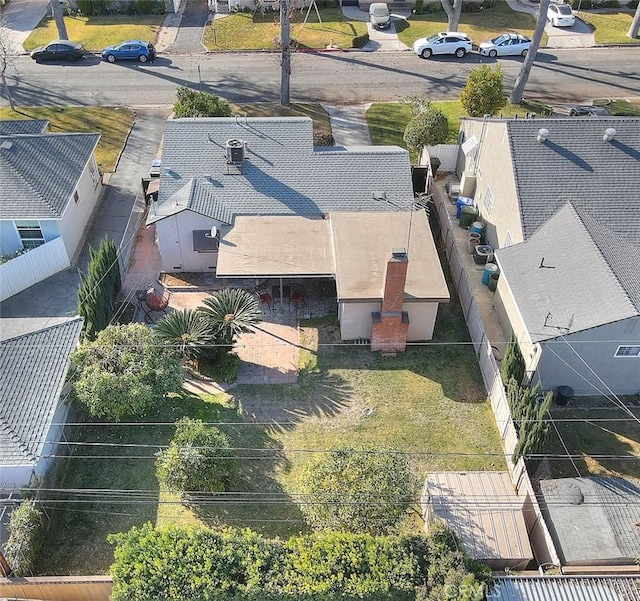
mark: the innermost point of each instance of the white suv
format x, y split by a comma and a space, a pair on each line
445, 42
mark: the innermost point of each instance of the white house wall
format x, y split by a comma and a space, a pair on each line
596, 349
355, 320
53, 438
13, 477
494, 171
74, 221
174, 236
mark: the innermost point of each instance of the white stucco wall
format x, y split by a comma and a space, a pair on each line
14, 476
355, 320
174, 236
74, 220
10, 240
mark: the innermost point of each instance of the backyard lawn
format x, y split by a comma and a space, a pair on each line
254, 31
112, 123
429, 402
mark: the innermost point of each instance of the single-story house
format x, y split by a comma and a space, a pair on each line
252, 197
561, 202
483, 509
49, 188
34, 360
565, 588
593, 520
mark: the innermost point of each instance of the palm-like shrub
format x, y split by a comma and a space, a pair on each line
230, 312
186, 331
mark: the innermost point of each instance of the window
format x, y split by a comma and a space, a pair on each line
30, 234
488, 200
631, 350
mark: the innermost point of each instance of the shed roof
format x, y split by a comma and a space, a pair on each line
565, 588
483, 509
10, 127
593, 519
33, 367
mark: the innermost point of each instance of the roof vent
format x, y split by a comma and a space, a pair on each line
543, 134
609, 134
6, 145
235, 152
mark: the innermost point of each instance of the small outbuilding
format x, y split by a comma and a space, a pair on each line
483, 509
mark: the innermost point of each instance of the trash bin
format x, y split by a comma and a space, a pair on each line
467, 216
462, 201
565, 394
493, 281
435, 165
489, 268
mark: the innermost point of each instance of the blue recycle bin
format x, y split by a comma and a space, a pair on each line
489, 268
461, 202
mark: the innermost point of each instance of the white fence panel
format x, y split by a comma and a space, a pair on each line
34, 266
447, 153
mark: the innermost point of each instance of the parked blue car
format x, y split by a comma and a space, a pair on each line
130, 50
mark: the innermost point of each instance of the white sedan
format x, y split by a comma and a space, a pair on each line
560, 15
445, 42
507, 44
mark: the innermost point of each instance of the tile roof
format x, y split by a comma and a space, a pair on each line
282, 173
33, 368
9, 127
562, 280
575, 164
565, 588
39, 172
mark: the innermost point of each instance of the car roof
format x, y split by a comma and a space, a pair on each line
378, 5
132, 42
63, 42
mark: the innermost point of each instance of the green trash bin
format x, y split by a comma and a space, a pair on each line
467, 216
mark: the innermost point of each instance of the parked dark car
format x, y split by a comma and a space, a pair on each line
589, 111
130, 50
58, 50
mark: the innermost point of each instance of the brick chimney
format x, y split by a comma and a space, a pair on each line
389, 326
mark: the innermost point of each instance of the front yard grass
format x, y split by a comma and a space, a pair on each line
112, 123
429, 402
94, 33
320, 117
609, 27
249, 31
480, 26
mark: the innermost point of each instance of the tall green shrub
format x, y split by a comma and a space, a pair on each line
513, 365
190, 103
99, 288
483, 93
25, 538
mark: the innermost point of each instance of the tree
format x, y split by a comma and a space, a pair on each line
198, 459
8, 51
229, 312
123, 372
190, 103
513, 365
529, 410
58, 16
635, 24
356, 491
521, 81
428, 128
483, 94
453, 9
186, 331
25, 538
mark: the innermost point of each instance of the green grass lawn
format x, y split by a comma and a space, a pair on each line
247, 31
620, 438
94, 33
479, 26
629, 108
609, 27
429, 401
112, 124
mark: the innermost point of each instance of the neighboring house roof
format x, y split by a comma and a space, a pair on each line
33, 367
282, 173
40, 172
574, 164
572, 274
565, 588
593, 519
9, 127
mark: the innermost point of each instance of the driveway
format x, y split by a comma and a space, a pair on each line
577, 36
21, 17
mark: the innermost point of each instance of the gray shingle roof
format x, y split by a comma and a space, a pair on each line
565, 588
575, 164
9, 127
33, 368
39, 173
282, 173
575, 288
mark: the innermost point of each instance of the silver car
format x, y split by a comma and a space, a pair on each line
445, 42
379, 16
507, 44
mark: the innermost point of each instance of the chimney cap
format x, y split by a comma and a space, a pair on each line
399, 253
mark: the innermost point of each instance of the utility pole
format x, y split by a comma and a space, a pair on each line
285, 57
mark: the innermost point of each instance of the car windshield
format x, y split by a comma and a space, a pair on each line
380, 11
499, 39
564, 9
433, 38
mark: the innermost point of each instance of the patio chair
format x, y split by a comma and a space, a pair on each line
298, 298
265, 299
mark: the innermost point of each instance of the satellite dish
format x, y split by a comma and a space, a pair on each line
213, 233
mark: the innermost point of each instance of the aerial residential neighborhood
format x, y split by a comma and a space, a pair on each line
319, 300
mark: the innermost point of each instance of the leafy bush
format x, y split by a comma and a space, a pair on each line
609, 4
186, 332
25, 538
472, 7
483, 93
221, 368
434, 7
356, 491
360, 41
528, 410
123, 372
323, 139
198, 459
419, 7
190, 103
632, 5
427, 128
93, 8
229, 313
486, 4
512, 366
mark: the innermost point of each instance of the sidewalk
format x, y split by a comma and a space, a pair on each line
21, 18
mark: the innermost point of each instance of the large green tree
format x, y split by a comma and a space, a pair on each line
123, 372
191, 103
356, 490
428, 128
483, 93
230, 312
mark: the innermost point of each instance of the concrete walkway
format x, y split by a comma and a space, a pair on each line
349, 124
21, 18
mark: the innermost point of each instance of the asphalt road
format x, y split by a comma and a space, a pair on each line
335, 77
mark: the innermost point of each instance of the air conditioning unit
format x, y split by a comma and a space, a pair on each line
467, 184
235, 152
